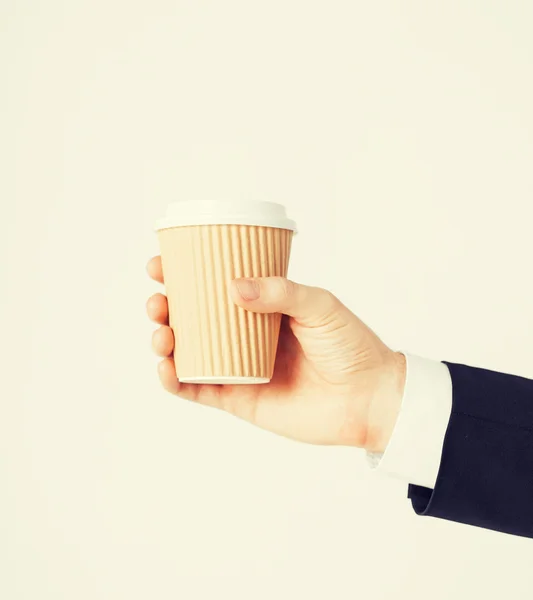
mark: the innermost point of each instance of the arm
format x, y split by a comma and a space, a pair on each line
337, 383
486, 471
464, 441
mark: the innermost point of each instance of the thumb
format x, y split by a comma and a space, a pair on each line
309, 306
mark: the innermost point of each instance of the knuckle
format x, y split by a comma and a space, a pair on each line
327, 301
327, 305
331, 301
286, 287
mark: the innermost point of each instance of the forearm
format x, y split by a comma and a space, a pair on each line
486, 471
463, 439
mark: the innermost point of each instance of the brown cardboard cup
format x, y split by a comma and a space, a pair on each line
204, 246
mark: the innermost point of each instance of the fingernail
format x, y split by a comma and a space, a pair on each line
248, 289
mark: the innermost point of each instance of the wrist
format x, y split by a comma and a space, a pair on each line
385, 402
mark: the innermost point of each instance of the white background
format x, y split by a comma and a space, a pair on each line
399, 135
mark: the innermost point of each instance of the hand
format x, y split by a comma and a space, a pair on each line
335, 382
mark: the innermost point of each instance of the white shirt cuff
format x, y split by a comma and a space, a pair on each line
415, 448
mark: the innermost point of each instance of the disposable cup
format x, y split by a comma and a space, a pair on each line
204, 246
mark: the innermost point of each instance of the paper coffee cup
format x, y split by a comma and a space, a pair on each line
204, 246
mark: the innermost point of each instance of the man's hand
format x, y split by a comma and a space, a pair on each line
335, 382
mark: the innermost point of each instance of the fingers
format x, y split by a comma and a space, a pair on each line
163, 341
157, 309
309, 306
167, 376
155, 269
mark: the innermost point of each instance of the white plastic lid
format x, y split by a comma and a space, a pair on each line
225, 212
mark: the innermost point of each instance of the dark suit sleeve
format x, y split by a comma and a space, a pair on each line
486, 471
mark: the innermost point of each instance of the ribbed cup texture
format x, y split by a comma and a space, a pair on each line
214, 337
